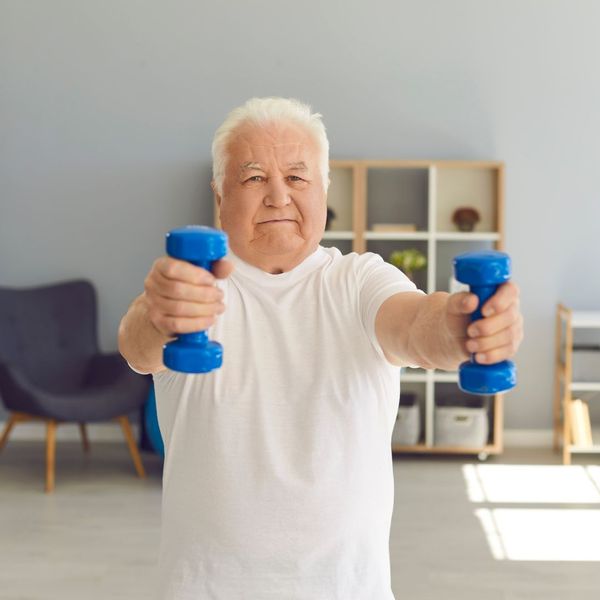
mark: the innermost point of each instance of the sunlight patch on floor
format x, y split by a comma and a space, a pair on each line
533, 484
542, 534
536, 531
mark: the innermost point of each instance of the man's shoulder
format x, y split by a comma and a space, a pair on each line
352, 260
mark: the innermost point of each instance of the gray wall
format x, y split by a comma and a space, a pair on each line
107, 110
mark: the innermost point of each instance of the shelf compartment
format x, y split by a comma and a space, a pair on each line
419, 392
468, 186
385, 247
340, 198
448, 394
446, 251
397, 195
344, 245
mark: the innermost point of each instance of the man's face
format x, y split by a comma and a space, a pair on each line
273, 206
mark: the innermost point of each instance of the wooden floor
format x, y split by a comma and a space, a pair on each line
514, 528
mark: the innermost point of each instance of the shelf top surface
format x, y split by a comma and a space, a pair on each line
585, 318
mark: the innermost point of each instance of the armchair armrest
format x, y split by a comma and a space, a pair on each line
17, 392
103, 369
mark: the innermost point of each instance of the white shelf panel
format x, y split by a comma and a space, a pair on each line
585, 449
396, 235
584, 386
443, 377
583, 318
416, 378
455, 236
338, 235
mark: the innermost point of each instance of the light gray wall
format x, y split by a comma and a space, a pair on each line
107, 110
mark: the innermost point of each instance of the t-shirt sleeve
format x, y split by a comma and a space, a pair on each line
377, 281
136, 371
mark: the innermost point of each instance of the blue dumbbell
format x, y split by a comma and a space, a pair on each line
202, 246
484, 272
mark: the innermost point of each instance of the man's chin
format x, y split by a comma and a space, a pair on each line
278, 249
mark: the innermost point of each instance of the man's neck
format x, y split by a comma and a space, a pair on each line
276, 264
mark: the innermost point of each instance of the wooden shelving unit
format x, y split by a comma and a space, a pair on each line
565, 387
424, 193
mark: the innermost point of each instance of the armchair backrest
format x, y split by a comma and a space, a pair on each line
49, 332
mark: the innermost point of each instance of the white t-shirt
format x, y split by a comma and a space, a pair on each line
278, 480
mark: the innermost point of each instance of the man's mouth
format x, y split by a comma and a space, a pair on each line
278, 221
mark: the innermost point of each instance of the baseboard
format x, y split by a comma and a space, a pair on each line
97, 432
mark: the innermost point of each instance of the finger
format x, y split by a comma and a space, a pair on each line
178, 308
489, 326
182, 270
509, 336
462, 303
161, 287
173, 326
506, 294
496, 355
222, 268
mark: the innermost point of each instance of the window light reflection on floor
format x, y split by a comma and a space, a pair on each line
539, 484
537, 532
543, 534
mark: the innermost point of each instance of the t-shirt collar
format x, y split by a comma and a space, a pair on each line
312, 261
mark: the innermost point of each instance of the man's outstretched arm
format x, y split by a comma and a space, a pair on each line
435, 332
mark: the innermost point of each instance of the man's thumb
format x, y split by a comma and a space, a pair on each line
462, 303
222, 268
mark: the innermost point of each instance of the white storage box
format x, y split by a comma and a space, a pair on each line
408, 422
463, 426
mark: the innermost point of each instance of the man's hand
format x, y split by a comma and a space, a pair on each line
494, 338
182, 298
178, 298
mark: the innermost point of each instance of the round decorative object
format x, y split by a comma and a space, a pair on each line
465, 218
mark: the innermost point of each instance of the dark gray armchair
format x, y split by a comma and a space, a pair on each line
51, 368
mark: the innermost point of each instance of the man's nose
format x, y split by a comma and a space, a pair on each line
277, 193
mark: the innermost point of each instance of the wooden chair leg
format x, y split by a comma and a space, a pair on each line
84, 438
133, 450
12, 420
50, 454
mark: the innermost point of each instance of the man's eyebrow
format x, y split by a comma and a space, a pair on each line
251, 166
297, 166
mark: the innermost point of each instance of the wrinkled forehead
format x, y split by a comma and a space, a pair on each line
269, 144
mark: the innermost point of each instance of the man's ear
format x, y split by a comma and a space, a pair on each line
217, 195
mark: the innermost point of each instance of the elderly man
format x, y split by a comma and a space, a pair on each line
278, 480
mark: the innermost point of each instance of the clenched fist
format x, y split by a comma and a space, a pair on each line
494, 338
183, 298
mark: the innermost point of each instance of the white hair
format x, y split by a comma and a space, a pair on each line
268, 110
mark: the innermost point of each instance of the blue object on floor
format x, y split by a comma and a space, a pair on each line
151, 423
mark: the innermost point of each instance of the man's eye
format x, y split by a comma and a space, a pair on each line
256, 178
295, 178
